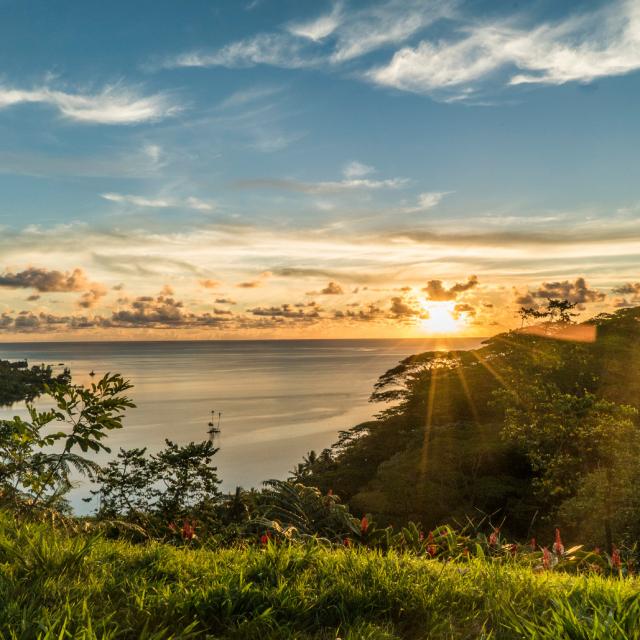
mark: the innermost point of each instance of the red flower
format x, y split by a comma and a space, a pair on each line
546, 558
364, 525
616, 563
513, 548
558, 547
265, 537
188, 530
421, 536
346, 542
493, 537
533, 544
432, 549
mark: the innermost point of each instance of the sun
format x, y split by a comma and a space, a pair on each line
442, 317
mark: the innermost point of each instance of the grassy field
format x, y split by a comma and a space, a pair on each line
55, 586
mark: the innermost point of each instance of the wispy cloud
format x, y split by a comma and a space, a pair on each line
158, 203
114, 105
320, 27
579, 48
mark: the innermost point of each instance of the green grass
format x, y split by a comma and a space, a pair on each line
58, 586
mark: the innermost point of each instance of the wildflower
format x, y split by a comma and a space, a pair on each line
188, 530
364, 525
616, 563
421, 536
546, 558
432, 549
265, 537
513, 548
346, 542
533, 544
558, 547
493, 537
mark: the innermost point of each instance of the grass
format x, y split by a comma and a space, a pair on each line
55, 586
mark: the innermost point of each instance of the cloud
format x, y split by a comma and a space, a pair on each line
158, 203
435, 290
45, 281
401, 309
356, 169
209, 284
90, 298
580, 48
427, 200
284, 311
577, 292
628, 288
225, 301
338, 186
319, 28
114, 105
351, 35
332, 289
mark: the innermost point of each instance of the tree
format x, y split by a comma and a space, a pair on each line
36, 460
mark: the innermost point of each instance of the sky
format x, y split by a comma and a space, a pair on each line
341, 169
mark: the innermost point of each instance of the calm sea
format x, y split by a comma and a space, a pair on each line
278, 399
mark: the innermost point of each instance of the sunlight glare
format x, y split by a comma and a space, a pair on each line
443, 317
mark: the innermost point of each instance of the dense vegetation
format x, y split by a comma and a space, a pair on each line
54, 585
454, 504
20, 382
533, 428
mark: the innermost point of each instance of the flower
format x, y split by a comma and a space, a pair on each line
493, 537
188, 530
346, 542
558, 547
364, 525
533, 544
432, 549
265, 537
546, 558
616, 563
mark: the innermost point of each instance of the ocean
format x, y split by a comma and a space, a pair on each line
277, 399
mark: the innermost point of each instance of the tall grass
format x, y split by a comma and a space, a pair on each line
57, 585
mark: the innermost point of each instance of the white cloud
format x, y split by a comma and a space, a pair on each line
427, 200
276, 49
319, 28
352, 35
114, 105
158, 203
583, 48
330, 186
356, 169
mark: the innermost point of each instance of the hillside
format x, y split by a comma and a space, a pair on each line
460, 433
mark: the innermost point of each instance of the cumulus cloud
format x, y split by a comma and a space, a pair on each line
577, 292
92, 297
44, 280
629, 288
436, 291
332, 289
284, 311
114, 105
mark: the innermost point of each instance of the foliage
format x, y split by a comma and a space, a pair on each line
20, 382
175, 484
525, 427
55, 585
38, 456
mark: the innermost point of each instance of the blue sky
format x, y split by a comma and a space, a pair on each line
283, 169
